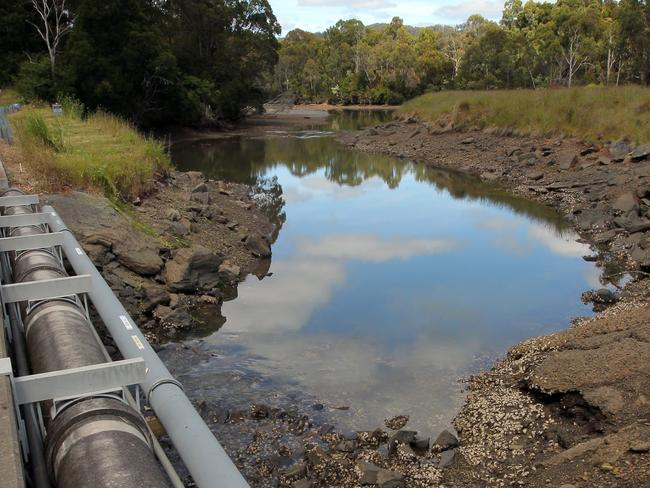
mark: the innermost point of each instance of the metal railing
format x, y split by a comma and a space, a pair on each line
5, 128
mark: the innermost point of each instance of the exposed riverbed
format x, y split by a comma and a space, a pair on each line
389, 282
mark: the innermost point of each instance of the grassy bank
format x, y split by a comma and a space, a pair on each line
588, 113
8, 96
97, 152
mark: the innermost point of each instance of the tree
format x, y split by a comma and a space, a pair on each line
55, 22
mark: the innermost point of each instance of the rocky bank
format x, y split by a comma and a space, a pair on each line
183, 248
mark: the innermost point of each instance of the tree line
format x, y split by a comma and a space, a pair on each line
152, 61
534, 45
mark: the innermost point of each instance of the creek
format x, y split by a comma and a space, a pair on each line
390, 281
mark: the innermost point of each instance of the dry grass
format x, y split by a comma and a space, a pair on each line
100, 152
591, 113
8, 96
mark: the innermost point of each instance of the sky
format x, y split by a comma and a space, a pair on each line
317, 15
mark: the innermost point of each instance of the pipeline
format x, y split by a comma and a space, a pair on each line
202, 454
96, 441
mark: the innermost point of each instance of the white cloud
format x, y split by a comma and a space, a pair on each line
459, 11
560, 244
366, 247
352, 4
305, 281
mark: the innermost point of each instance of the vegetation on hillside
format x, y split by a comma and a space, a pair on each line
176, 61
100, 151
591, 113
568, 42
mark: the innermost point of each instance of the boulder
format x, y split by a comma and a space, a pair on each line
193, 269
200, 188
258, 246
389, 479
446, 440
641, 152
626, 202
567, 160
179, 229
229, 272
619, 149
142, 260
173, 214
446, 458
201, 197
154, 296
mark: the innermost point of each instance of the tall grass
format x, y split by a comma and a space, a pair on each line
100, 151
591, 113
8, 96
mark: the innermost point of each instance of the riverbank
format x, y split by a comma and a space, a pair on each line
170, 255
569, 408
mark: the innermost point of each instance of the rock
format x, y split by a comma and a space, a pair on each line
397, 422
640, 226
143, 261
258, 246
389, 479
626, 202
99, 255
368, 473
404, 437
641, 152
193, 269
640, 446
229, 272
200, 188
535, 175
154, 296
201, 197
173, 214
619, 149
421, 443
469, 140
162, 312
446, 458
179, 229
567, 161
179, 319
346, 446
446, 440
173, 300
605, 295
303, 483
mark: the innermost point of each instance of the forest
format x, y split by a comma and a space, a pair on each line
155, 62
198, 62
567, 43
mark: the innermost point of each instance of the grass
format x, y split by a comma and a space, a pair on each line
98, 152
8, 96
590, 113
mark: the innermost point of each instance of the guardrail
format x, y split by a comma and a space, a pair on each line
5, 128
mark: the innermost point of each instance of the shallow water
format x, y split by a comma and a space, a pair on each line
389, 281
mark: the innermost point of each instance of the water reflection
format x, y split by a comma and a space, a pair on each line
389, 280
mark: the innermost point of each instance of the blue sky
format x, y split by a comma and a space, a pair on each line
317, 15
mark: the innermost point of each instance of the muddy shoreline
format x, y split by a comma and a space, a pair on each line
571, 408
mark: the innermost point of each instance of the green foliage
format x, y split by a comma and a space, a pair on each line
36, 130
180, 61
591, 113
34, 81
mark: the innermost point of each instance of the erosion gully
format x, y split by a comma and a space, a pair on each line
390, 281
